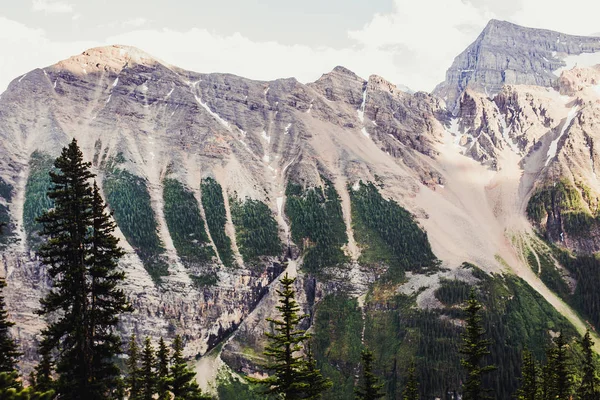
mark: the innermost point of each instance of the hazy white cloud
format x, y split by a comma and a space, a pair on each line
54, 7
135, 22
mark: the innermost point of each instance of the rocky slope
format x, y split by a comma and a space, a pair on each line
509, 54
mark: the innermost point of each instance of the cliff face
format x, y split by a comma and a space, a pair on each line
509, 54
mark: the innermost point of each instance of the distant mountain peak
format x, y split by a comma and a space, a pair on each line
506, 53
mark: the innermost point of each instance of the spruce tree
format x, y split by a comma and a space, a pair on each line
411, 391
183, 380
548, 388
369, 386
588, 389
41, 377
528, 385
12, 389
84, 304
147, 371
162, 370
474, 350
8, 348
562, 368
286, 365
316, 384
133, 379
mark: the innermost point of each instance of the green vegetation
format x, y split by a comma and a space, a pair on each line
36, 198
317, 225
129, 200
453, 292
574, 204
388, 234
186, 226
216, 218
256, 230
337, 342
231, 388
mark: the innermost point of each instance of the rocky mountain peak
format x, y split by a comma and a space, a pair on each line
506, 53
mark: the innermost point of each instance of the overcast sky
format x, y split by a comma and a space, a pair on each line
409, 42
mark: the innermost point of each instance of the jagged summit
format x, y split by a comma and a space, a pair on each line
506, 53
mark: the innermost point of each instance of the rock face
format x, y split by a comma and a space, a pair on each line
509, 54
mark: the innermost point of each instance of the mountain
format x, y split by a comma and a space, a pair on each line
509, 54
387, 205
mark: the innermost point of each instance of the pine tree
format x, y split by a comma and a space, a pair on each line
41, 377
316, 384
411, 391
286, 366
369, 387
183, 380
8, 348
562, 368
588, 390
162, 369
84, 303
133, 379
147, 371
474, 349
548, 389
528, 389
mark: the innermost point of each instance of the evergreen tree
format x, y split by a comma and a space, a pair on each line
411, 391
316, 384
8, 347
183, 380
562, 368
588, 390
41, 377
287, 368
162, 369
474, 349
528, 389
369, 387
147, 371
83, 306
133, 380
548, 390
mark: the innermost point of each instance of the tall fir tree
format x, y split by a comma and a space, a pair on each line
562, 368
369, 387
411, 390
84, 304
9, 352
133, 379
183, 379
548, 387
41, 377
286, 365
529, 383
474, 350
162, 371
147, 371
316, 384
589, 387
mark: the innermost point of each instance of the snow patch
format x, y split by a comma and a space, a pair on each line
266, 137
170, 93
54, 86
356, 186
287, 128
364, 132
21, 78
115, 82
214, 114
267, 91
267, 158
309, 108
554, 145
361, 110
109, 96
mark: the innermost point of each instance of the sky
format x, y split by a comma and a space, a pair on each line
407, 42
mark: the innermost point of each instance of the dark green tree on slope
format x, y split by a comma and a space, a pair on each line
8, 348
369, 387
474, 350
85, 302
588, 389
